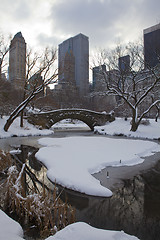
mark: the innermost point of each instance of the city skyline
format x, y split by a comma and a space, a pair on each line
104, 22
68, 48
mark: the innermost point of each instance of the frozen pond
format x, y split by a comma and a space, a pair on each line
7, 143
134, 206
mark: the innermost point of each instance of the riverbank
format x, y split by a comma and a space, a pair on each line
72, 161
148, 129
112, 177
16, 131
97, 208
109, 176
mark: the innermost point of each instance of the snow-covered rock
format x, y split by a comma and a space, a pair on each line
81, 230
9, 229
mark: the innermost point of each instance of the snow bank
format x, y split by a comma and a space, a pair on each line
9, 229
120, 126
71, 161
84, 231
16, 130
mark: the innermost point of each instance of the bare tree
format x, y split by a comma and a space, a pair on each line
45, 69
130, 82
4, 48
31, 79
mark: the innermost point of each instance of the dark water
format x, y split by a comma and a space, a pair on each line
133, 208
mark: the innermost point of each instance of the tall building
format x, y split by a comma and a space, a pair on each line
152, 46
124, 64
97, 75
17, 61
74, 52
69, 68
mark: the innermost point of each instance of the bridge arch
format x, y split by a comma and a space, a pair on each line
91, 118
74, 118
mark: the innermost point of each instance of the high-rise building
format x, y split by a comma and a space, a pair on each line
152, 46
69, 68
98, 75
17, 61
74, 52
124, 64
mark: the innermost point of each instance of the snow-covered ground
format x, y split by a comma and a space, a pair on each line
9, 229
84, 231
15, 130
71, 161
68, 124
117, 127
122, 127
89, 154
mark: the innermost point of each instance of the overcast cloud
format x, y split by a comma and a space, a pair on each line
105, 22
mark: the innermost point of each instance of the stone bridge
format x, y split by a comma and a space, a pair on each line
91, 118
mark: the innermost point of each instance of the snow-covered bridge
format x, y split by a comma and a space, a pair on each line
91, 118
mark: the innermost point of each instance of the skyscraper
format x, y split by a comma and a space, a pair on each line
124, 64
78, 49
98, 75
152, 46
69, 68
17, 61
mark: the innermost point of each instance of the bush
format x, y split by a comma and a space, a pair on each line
145, 122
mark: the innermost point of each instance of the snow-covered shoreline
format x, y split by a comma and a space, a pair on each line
16, 130
82, 230
71, 161
11, 230
120, 127
86, 156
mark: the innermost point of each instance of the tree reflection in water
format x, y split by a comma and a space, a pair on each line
134, 208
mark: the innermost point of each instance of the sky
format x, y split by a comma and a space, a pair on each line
105, 22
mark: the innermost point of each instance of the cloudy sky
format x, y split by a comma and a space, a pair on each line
105, 22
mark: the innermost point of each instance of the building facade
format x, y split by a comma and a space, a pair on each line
69, 68
97, 75
100, 100
152, 46
74, 52
124, 64
17, 61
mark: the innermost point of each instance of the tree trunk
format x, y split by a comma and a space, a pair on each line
8, 124
134, 122
17, 112
134, 126
21, 119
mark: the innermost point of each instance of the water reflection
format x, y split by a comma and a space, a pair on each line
135, 207
35, 172
77, 200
